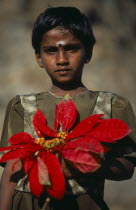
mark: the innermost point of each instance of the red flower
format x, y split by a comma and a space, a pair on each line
80, 145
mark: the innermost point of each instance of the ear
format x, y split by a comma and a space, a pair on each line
87, 59
39, 60
88, 55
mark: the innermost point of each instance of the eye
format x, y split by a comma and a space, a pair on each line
50, 50
72, 48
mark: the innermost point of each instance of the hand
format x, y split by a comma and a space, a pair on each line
117, 169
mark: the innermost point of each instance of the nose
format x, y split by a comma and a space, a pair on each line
62, 58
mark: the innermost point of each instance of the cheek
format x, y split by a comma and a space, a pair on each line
80, 60
48, 63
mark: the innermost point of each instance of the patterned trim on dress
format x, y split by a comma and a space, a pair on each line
30, 106
103, 104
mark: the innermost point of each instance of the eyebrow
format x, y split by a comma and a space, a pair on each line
49, 46
67, 45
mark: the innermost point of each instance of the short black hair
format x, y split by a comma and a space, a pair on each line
69, 18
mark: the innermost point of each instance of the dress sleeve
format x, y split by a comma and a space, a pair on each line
13, 122
122, 109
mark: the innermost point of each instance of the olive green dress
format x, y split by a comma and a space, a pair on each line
17, 120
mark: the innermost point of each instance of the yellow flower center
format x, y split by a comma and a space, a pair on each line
50, 144
62, 135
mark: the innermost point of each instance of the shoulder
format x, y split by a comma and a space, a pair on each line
116, 100
121, 108
16, 103
13, 102
120, 101
122, 105
17, 99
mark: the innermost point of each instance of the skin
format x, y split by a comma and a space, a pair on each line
63, 56
7, 187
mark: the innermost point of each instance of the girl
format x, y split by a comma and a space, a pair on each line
63, 42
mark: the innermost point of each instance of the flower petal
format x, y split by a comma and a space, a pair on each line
84, 126
13, 154
43, 173
84, 161
28, 164
87, 143
58, 185
2, 149
40, 125
29, 150
56, 121
20, 152
35, 186
21, 138
110, 130
67, 114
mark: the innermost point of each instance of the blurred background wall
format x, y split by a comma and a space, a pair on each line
112, 67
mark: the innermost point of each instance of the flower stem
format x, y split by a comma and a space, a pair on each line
46, 203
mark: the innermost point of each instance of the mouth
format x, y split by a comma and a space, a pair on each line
62, 70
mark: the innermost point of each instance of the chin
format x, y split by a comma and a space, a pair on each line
64, 81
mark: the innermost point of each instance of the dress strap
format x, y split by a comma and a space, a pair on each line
29, 104
103, 104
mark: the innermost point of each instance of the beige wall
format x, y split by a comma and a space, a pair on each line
112, 67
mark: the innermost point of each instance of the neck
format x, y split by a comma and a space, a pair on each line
71, 89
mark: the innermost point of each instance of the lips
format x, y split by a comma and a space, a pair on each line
62, 70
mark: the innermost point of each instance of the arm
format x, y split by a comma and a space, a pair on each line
13, 123
7, 187
118, 169
120, 162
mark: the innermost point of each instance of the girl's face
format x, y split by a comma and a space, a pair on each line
62, 55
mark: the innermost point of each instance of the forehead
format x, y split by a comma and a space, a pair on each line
59, 36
